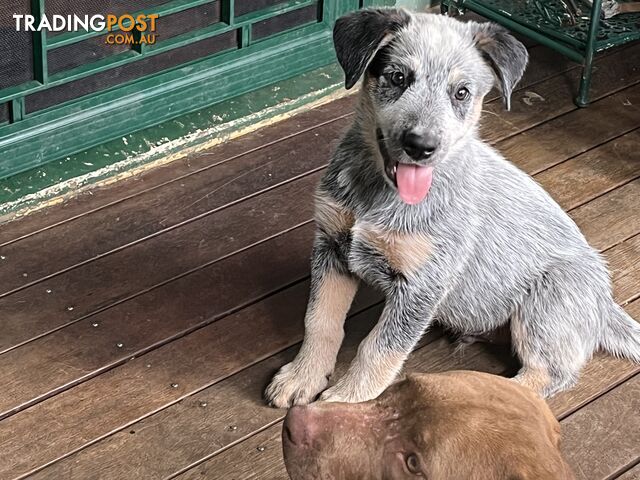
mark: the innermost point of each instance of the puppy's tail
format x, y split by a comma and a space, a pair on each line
621, 336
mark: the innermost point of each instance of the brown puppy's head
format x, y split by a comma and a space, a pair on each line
462, 425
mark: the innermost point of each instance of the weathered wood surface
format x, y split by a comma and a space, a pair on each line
632, 474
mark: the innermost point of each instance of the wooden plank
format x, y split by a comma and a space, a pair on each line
597, 441
104, 234
27, 315
236, 401
247, 461
601, 374
257, 458
109, 280
122, 356
135, 327
621, 260
544, 64
154, 210
632, 474
617, 210
150, 383
190, 302
130, 223
576, 132
604, 169
604, 437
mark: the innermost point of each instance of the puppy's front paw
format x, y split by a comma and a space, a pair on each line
294, 385
339, 394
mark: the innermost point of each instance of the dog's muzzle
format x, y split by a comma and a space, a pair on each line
411, 179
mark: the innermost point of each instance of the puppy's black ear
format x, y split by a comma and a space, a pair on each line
359, 35
507, 56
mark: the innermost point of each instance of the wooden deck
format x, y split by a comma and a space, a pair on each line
140, 322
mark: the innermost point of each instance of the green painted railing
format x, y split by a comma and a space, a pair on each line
234, 60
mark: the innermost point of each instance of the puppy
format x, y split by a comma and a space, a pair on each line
413, 202
455, 425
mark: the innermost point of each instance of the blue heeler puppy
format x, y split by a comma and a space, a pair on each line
416, 204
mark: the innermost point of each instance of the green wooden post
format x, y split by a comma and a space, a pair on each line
227, 10
138, 46
245, 36
17, 111
40, 69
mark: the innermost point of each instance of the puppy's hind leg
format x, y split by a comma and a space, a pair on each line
551, 335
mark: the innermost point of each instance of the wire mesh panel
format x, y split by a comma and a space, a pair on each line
82, 53
4, 113
16, 58
281, 23
62, 57
97, 48
247, 6
126, 73
188, 20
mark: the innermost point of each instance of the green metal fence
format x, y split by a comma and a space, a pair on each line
81, 92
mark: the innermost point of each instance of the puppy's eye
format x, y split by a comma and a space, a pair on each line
462, 94
413, 464
397, 79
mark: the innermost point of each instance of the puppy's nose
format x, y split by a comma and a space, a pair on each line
419, 146
298, 426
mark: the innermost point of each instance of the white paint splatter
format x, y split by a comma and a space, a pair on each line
530, 97
157, 155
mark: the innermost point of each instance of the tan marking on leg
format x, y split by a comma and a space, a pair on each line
531, 374
537, 379
370, 372
332, 217
325, 318
367, 378
405, 252
378, 371
300, 381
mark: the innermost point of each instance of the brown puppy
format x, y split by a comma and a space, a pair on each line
449, 426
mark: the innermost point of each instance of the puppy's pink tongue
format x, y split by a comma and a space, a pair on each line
413, 182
